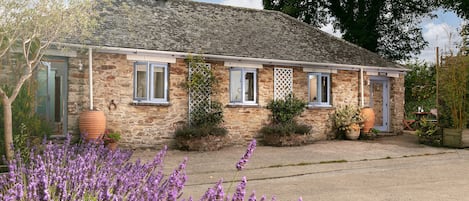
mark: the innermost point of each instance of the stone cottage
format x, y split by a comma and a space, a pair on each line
137, 63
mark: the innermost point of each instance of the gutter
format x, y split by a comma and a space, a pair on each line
362, 90
90, 60
239, 59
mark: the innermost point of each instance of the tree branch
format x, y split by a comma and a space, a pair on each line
18, 86
3, 94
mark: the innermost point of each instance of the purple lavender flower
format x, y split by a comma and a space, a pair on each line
253, 196
208, 195
215, 193
246, 156
219, 193
300, 199
90, 171
240, 191
263, 198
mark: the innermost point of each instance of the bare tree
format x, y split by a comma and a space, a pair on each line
27, 29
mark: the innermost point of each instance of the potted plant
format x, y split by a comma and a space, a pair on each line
283, 129
111, 139
348, 121
453, 101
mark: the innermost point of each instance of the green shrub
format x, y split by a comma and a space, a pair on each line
346, 115
211, 117
285, 110
286, 129
28, 127
283, 116
302, 129
429, 133
188, 132
111, 136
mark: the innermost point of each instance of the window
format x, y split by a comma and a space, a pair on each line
243, 85
319, 89
150, 82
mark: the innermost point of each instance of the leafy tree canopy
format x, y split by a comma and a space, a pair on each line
388, 27
27, 29
461, 7
465, 39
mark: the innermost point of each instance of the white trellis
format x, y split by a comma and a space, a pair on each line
199, 96
283, 82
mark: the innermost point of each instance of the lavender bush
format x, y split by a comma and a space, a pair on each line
89, 171
246, 156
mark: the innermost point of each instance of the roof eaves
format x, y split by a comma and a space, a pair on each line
233, 58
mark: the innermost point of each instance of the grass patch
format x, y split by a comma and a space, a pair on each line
306, 163
345, 161
334, 161
276, 166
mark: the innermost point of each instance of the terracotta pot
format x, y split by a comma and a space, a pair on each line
93, 123
369, 116
112, 146
352, 134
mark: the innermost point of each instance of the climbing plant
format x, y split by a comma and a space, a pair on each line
201, 84
205, 113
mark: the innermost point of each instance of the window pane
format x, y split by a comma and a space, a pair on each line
158, 83
313, 88
141, 82
235, 86
249, 86
324, 86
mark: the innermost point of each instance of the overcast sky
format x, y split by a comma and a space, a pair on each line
436, 31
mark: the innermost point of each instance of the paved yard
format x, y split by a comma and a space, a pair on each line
389, 168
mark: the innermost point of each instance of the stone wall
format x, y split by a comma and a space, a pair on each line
397, 101
140, 125
154, 125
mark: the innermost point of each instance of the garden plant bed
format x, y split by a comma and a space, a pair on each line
287, 140
202, 143
432, 140
3, 169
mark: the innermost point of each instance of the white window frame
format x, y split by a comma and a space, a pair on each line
318, 89
243, 83
150, 69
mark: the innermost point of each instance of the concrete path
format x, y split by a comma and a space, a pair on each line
389, 168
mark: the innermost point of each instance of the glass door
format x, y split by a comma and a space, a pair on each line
51, 94
379, 101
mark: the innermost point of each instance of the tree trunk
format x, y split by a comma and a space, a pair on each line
8, 128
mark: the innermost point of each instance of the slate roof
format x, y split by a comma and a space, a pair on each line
194, 27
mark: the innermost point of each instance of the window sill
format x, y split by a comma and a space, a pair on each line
161, 104
319, 107
242, 105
